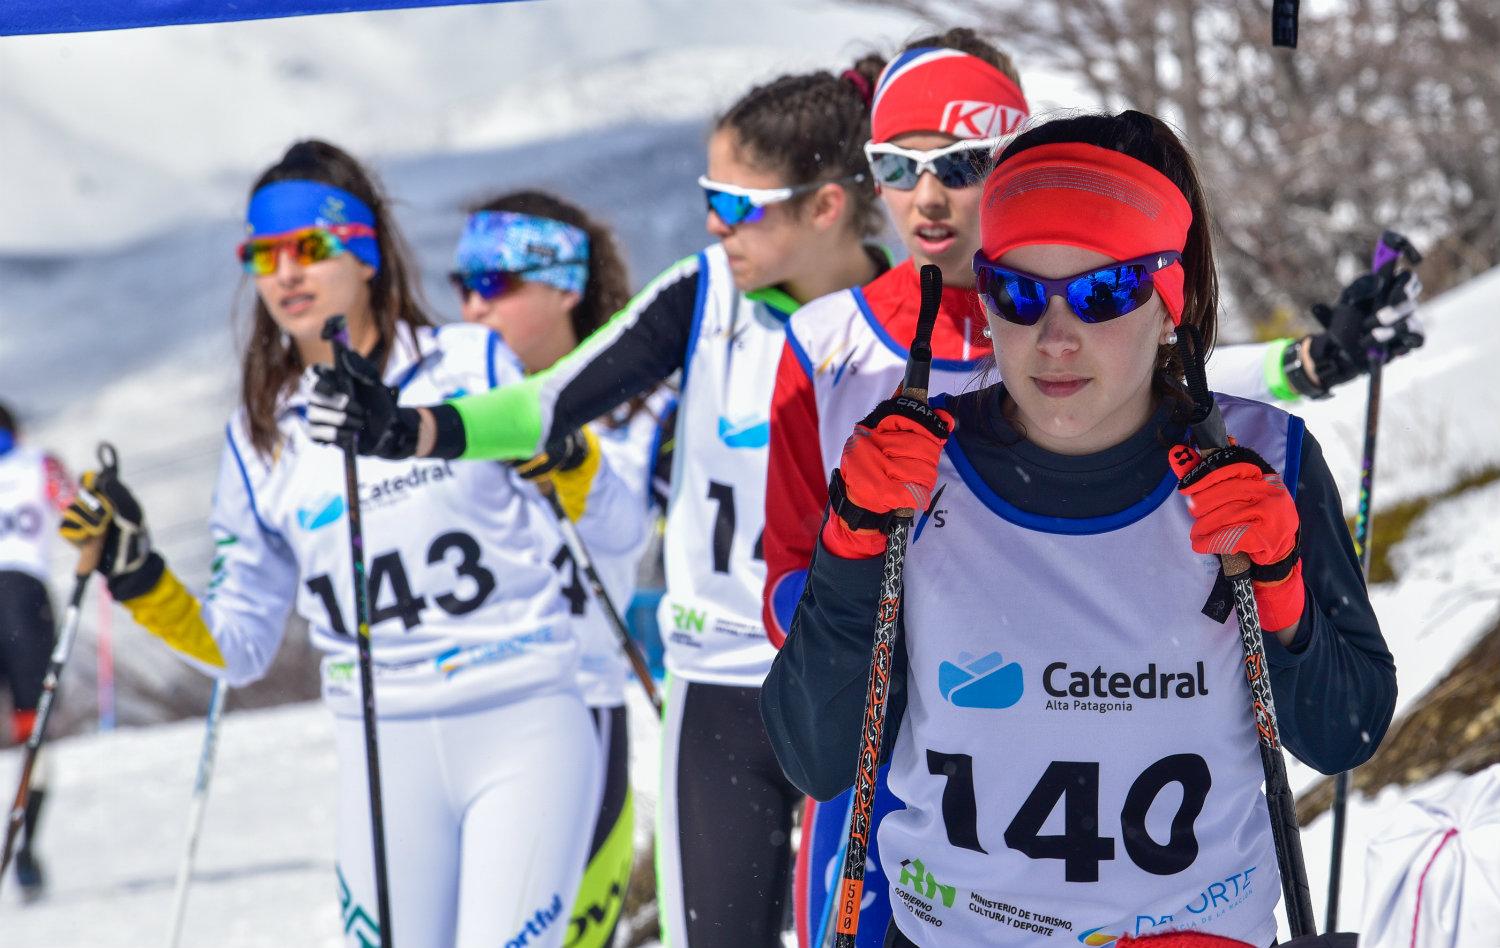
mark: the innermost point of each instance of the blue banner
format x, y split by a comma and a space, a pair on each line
28, 17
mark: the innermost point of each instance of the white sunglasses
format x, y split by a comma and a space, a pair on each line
959, 165
737, 205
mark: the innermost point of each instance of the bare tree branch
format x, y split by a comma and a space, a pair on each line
1388, 115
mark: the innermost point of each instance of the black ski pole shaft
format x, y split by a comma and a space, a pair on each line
336, 332
1210, 436
87, 560
1389, 251
585, 564
1362, 547
852, 881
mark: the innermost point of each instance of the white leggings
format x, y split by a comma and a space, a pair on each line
488, 815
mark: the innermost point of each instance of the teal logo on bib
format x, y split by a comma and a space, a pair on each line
745, 433
985, 682
324, 511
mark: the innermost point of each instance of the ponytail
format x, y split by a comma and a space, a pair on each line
813, 127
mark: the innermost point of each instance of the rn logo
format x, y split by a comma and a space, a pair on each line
537, 924
687, 620
985, 682
915, 876
980, 119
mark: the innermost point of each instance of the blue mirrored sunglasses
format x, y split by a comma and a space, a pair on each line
735, 205
1095, 297
733, 208
490, 284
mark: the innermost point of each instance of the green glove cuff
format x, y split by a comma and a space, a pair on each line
1277, 382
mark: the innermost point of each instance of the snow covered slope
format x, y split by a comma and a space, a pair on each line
113, 836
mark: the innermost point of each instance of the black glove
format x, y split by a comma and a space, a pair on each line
105, 507
350, 403
567, 454
1366, 316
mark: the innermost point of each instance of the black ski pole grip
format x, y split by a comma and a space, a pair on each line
919, 357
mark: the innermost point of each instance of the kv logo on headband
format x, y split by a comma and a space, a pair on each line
980, 119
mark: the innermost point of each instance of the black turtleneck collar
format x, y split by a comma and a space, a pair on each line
1047, 484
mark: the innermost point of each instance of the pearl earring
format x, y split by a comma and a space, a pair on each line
1171, 339
986, 332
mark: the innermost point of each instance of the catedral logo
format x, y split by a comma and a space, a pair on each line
985, 682
327, 509
925, 890
1105, 690
393, 490
537, 924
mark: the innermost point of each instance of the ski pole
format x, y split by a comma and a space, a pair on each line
1207, 424
1389, 251
337, 333
199, 804
852, 880
88, 558
585, 563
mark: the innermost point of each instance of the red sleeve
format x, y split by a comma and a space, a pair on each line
796, 490
60, 489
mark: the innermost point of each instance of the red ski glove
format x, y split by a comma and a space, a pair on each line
1241, 506
889, 463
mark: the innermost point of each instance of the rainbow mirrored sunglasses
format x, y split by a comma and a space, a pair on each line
307, 245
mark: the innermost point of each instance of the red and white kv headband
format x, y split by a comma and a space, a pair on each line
943, 90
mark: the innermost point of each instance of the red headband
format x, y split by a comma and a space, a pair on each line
944, 90
1089, 197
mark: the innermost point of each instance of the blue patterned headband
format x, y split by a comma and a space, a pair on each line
540, 248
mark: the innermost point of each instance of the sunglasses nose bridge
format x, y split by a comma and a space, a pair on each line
287, 265
1058, 328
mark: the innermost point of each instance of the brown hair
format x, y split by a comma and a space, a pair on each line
271, 366
966, 40
1151, 141
813, 127
607, 289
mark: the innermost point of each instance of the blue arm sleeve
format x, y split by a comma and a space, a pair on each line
1335, 687
814, 697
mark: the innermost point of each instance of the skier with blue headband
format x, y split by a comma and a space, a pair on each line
487, 747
